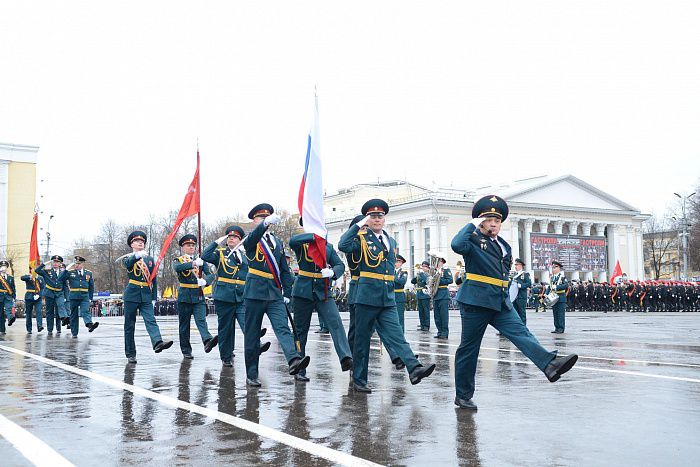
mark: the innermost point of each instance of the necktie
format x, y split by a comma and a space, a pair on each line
498, 246
269, 241
381, 240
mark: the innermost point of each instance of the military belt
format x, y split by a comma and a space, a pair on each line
487, 280
561, 291
354, 278
53, 288
260, 273
189, 286
230, 281
442, 286
374, 275
78, 290
135, 282
398, 290
32, 290
315, 275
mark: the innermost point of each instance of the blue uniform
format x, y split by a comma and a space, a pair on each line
400, 277
54, 296
81, 286
423, 300
190, 302
32, 306
313, 292
139, 297
560, 284
524, 282
263, 296
229, 284
8, 293
483, 300
441, 301
374, 299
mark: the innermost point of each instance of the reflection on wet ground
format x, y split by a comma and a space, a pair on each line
633, 399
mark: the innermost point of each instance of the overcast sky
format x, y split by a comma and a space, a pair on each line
457, 93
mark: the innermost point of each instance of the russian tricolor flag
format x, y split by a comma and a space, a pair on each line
311, 194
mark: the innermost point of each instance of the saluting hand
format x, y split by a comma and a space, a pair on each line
222, 240
272, 219
363, 222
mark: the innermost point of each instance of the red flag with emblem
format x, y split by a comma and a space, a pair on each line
616, 273
190, 207
34, 257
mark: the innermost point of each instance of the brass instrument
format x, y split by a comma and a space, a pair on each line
433, 281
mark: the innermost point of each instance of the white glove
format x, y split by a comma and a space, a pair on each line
141, 254
272, 219
477, 221
3, 268
153, 303
327, 272
36, 297
197, 262
520, 286
286, 300
201, 282
363, 222
221, 240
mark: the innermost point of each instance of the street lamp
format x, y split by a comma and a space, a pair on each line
685, 235
48, 237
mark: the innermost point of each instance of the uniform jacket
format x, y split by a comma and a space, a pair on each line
137, 289
445, 279
53, 281
486, 268
400, 278
12, 292
80, 286
259, 284
187, 275
560, 284
421, 280
34, 286
231, 272
309, 284
375, 287
525, 282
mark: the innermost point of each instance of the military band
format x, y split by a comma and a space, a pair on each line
400, 278
423, 298
521, 282
441, 300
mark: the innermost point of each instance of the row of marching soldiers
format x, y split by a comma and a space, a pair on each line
67, 292
628, 295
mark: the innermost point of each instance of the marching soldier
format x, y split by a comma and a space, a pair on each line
522, 278
32, 301
190, 299
312, 291
375, 303
423, 299
400, 278
139, 296
82, 287
483, 299
267, 290
441, 301
54, 298
231, 271
559, 284
8, 293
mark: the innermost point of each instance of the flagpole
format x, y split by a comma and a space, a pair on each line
199, 219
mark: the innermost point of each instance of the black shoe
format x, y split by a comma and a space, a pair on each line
346, 364
40, 329
421, 372
131, 360
297, 364
556, 331
11, 320
301, 378
559, 366
265, 347
210, 344
75, 336
93, 326
263, 331
465, 404
361, 388
188, 356
65, 321
68, 326
398, 364
160, 346
253, 382
227, 363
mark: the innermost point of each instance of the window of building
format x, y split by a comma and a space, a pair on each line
426, 235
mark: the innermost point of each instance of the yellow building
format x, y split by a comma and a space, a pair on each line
17, 201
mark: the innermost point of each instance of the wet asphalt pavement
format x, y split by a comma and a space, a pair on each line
632, 399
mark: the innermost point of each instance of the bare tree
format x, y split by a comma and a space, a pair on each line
661, 240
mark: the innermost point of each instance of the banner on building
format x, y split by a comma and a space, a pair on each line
576, 253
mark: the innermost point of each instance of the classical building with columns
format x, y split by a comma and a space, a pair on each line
549, 217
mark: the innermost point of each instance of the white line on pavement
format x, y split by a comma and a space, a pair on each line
260, 430
32, 448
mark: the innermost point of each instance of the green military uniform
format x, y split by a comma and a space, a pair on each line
190, 301
312, 291
560, 284
423, 299
441, 302
32, 301
400, 278
81, 285
8, 294
54, 296
523, 282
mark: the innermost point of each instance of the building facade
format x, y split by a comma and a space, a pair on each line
589, 226
17, 201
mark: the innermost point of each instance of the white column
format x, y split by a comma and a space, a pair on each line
4, 186
632, 254
527, 253
640, 253
513, 240
418, 238
558, 227
544, 275
586, 232
543, 223
444, 243
612, 249
434, 233
573, 227
403, 239
599, 229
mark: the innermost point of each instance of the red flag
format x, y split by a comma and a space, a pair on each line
616, 273
190, 207
34, 257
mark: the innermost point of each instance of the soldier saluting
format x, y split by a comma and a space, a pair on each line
54, 280
483, 299
82, 287
140, 294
